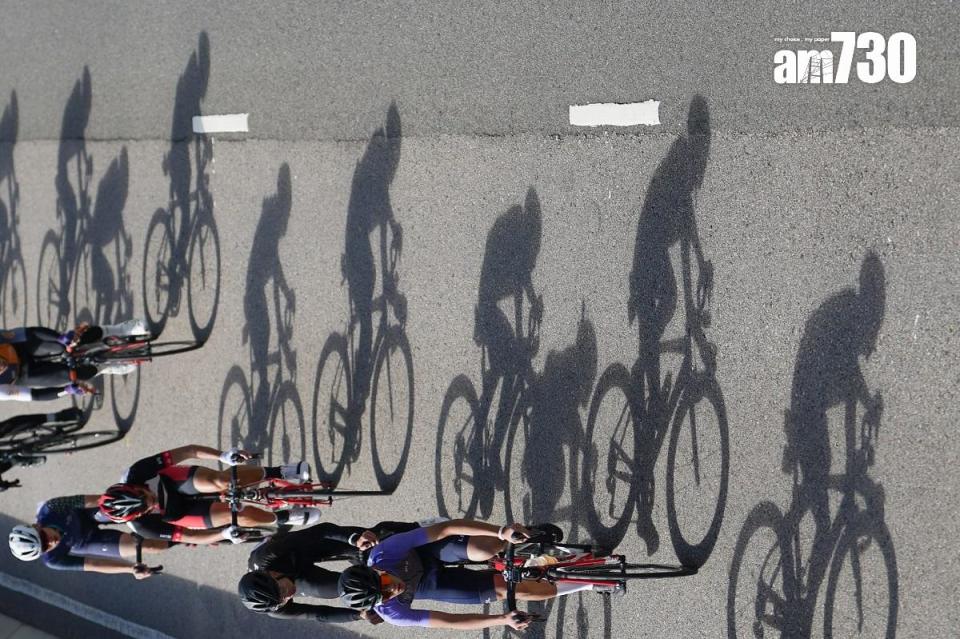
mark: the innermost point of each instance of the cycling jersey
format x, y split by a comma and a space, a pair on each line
175, 491
294, 555
80, 533
420, 564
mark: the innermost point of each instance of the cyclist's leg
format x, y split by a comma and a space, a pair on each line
218, 514
40, 342
483, 548
47, 374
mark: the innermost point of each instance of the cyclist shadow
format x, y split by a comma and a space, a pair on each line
365, 374
182, 253
264, 413
476, 423
643, 405
13, 278
833, 532
548, 486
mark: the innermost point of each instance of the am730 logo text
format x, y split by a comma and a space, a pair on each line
894, 58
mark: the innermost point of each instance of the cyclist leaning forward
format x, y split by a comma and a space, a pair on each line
410, 565
158, 496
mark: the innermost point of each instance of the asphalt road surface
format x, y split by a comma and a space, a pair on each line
826, 214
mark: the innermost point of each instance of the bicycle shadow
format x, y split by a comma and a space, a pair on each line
474, 426
182, 252
13, 276
367, 370
548, 484
834, 527
265, 413
642, 406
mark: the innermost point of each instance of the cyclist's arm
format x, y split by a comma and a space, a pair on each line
193, 451
461, 527
107, 566
324, 614
464, 621
13, 393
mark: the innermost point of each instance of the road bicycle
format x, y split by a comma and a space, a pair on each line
184, 251
619, 469
544, 557
340, 399
13, 274
278, 494
469, 469
776, 586
26, 440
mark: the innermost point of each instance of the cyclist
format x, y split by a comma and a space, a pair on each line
68, 534
164, 488
31, 364
285, 565
410, 565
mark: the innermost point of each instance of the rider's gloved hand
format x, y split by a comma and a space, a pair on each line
73, 389
516, 619
142, 571
514, 533
234, 456
365, 540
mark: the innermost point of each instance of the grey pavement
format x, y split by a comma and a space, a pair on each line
801, 184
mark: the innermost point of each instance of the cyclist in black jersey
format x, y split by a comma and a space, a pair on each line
69, 534
285, 566
31, 371
157, 496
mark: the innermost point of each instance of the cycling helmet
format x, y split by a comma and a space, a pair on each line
259, 591
359, 587
123, 502
25, 543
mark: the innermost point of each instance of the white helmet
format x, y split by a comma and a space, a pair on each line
25, 543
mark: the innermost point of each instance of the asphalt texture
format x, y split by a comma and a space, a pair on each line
828, 215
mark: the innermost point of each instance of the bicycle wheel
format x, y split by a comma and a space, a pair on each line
520, 492
288, 437
51, 298
203, 280
84, 285
234, 427
164, 349
630, 571
159, 278
13, 293
698, 467
459, 454
73, 442
332, 395
761, 600
862, 591
610, 458
391, 408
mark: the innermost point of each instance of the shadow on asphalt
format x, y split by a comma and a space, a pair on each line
826, 566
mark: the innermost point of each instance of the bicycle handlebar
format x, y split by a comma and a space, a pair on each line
156, 570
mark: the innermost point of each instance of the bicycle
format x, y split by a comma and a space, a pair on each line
579, 564
641, 419
185, 251
13, 275
26, 440
277, 494
339, 399
782, 586
465, 437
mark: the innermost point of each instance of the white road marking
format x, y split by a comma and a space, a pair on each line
612, 114
229, 123
916, 321
94, 615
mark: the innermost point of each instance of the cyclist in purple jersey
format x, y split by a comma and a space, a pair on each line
68, 535
411, 565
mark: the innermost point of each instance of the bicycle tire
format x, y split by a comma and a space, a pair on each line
24, 437
203, 236
13, 292
461, 388
332, 395
50, 298
158, 284
695, 552
83, 440
616, 376
394, 340
234, 417
850, 542
164, 349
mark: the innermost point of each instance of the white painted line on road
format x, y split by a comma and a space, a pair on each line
612, 114
82, 610
229, 123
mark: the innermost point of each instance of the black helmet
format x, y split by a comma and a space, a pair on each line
360, 587
259, 591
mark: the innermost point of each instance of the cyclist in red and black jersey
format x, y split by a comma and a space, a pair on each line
157, 496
